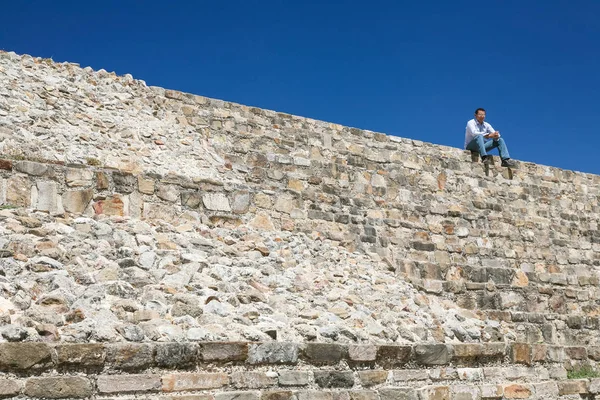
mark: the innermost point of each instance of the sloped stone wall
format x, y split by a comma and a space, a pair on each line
518, 250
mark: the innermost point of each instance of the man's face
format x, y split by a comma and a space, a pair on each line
480, 116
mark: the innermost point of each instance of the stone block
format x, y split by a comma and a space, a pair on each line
398, 393
324, 353
521, 353
315, 395
465, 392
18, 191
576, 352
30, 168
193, 381
6, 165
252, 380
408, 375
273, 353
179, 355
277, 395
432, 354
76, 201
77, 177
362, 353
434, 393
25, 356
237, 396
372, 377
101, 181
334, 379
491, 392
546, 390
113, 205
10, 387
223, 351
145, 185
241, 202
82, 356
58, 387
294, 378
466, 353
363, 395
538, 352
128, 383
168, 193
393, 356
216, 202
130, 356
124, 183
517, 391
575, 386
48, 199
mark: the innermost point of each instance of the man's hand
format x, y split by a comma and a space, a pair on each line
493, 135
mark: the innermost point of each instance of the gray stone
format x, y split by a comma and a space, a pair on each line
76, 201
216, 202
273, 353
79, 177
30, 168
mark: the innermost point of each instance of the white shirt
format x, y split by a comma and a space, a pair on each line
474, 128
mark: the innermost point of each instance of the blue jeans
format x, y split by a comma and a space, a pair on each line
481, 145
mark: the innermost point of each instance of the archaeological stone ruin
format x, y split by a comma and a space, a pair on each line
161, 245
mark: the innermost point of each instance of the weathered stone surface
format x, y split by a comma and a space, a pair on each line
81, 356
79, 177
18, 191
294, 378
59, 387
24, 356
334, 379
9, 387
130, 356
179, 355
48, 199
237, 396
31, 168
76, 201
372, 378
389, 356
324, 353
273, 353
232, 352
435, 354
216, 202
199, 381
145, 185
128, 383
398, 393
252, 380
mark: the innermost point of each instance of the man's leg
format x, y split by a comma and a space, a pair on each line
499, 143
478, 145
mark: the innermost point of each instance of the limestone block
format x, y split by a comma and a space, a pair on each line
128, 383
75, 177
168, 192
273, 353
81, 355
294, 378
130, 356
18, 191
9, 387
145, 185
262, 221
101, 181
76, 201
241, 202
372, 377
334, 379
252, 380
48, 199
24, 356
113, 205
230, 351
216, 202
31, 168
57, 387
193, 381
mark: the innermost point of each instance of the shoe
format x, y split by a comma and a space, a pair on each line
507, 162
486, 159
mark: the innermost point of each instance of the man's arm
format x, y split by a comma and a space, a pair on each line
490, 132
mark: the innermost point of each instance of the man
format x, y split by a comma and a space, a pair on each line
481, 137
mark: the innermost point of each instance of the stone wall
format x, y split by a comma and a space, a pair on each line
294, 371
517, 250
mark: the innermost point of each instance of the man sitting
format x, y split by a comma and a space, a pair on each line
481, 137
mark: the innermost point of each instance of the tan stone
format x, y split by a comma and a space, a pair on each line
18, 191
77, 201
296, 185
520, 279
101, 181
517, 391
78, 177
110, 206
262, 221
145, 185
197, 381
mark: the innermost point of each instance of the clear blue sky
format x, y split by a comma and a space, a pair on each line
406, 68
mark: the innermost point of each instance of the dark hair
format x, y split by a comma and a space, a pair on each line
479, 109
